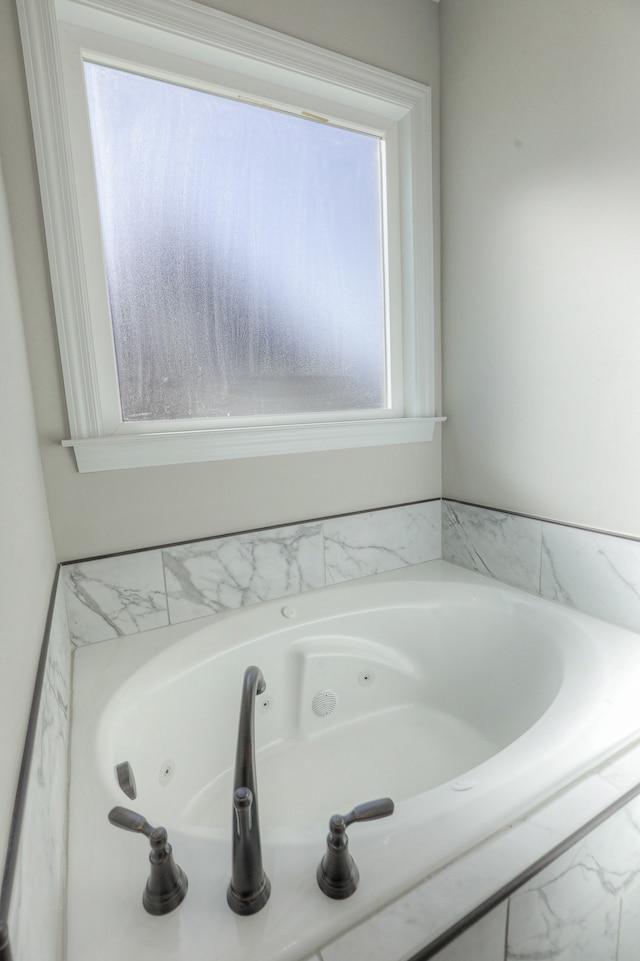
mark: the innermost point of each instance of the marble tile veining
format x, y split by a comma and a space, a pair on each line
580, 889
115, 596
500, 545
596, 573
130, 593
379, 541
230, 572
598, 941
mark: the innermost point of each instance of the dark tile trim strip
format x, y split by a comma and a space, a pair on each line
432, 948
251, 530
543, 520
23, 779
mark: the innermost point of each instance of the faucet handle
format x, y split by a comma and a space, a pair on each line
131, 821
337, 873
369, 811
167, 884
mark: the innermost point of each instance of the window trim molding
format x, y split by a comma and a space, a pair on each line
179, 447
184, 22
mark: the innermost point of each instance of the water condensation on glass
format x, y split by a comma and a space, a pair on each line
244, 254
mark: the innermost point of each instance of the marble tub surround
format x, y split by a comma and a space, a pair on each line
36, 926
130, 593
381, 541
591, 571
586, 902
115, 596
596, 573
498, 544
583, 905
226, 573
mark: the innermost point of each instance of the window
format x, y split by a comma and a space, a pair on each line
243, 252
239, 229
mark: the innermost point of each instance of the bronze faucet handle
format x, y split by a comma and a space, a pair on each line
131, 821
370, 811
337, 873
167, 884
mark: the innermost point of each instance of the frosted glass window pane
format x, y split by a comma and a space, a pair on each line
244, 254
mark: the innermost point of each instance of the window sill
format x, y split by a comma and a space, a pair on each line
188, 447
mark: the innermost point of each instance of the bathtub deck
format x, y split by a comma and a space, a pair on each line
452, 848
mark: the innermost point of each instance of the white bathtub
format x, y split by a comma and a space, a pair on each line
465, 701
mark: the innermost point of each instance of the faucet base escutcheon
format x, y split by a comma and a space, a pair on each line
253, 902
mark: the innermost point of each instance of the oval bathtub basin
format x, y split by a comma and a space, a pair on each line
465, 701
391, 700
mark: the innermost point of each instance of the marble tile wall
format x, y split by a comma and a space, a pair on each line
36, 911
594, 572
585, 906
126, 594
115, 596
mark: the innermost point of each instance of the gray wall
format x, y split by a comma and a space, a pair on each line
27, 561
123, 510
541, 254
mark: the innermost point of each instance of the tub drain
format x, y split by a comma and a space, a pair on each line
324, 702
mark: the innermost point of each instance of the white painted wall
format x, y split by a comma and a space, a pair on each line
27, 561
541, 257
121, 510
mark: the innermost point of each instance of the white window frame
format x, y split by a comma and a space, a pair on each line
182, 38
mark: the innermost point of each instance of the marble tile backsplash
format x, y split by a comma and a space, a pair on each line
594, 572
500, 545
381, 541
126, 594
116, 596
597, 573
230, 572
